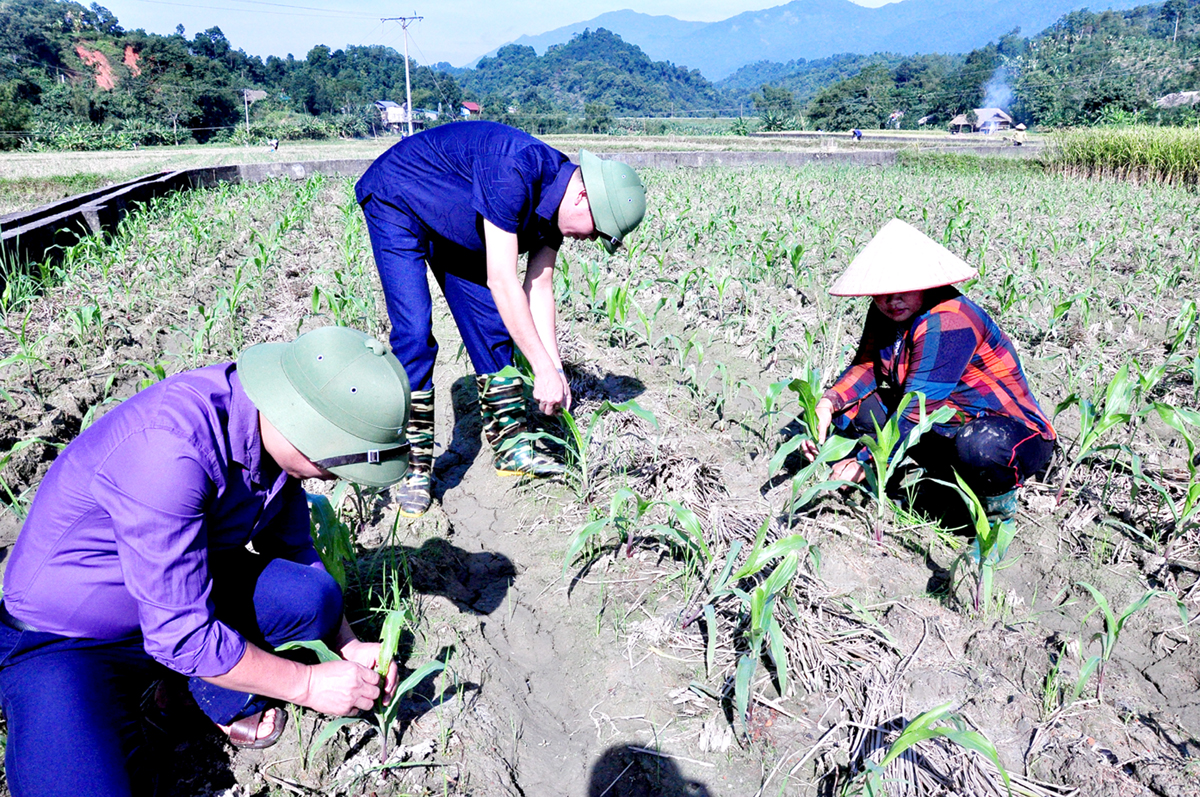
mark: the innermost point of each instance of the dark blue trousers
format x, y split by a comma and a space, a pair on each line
403, 246
73, 705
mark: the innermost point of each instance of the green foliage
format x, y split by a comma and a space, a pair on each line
595, 67
776, 108
872, 779
888, 449
1114, 624
384, 715
992, 539
1168, 155
630, 515
1096, 422
331, 535
762, 632
578, 441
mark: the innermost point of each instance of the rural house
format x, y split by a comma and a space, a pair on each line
987, 120
391, 114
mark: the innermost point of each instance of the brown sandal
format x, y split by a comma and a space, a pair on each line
244, 732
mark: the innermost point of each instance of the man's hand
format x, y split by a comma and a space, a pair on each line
824, 418
366, 654
551, 391
340, 688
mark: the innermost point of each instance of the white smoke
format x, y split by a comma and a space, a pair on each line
997, 93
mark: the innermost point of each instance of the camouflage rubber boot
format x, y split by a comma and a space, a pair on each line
414, 489
502, 406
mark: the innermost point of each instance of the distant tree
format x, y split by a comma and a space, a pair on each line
864, 101
775, 99
15, 112
596, 118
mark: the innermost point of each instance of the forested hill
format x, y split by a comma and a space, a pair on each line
1085, 69
74, 73
594, 67
72, 78
821, 28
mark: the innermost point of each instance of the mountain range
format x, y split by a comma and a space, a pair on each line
819, 28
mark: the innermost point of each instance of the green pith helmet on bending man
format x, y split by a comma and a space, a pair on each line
339, 396
617, 196
465, 200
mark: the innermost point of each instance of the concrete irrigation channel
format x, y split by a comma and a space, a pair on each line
37, 235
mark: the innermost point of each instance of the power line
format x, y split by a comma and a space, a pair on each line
328, 13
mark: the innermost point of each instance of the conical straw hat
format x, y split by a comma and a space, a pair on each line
898, 259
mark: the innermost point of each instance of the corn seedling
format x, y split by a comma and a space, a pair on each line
991, 544
1095, 423
382, 716
872, 780
627, 514
762, 629
1114, 624
888, 449
331, 536
578, 441
1185, 510
810, 481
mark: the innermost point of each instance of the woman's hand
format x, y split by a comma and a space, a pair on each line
366, 654
824, 418
850, 470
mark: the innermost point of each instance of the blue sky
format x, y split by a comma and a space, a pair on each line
457, 31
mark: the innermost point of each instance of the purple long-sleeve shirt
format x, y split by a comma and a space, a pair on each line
118, 537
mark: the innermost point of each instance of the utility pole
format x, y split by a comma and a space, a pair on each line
404, 23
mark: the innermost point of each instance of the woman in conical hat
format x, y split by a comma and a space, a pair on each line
922, 335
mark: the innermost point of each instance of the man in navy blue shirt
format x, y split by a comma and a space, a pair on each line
467, 199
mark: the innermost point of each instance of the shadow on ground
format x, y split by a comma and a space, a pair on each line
625, 771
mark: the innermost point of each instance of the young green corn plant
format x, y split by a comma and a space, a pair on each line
810, 480
768, 400
1186, 511
331, 536
762, 625
1114, 624
383, 716
578, 441
762, 629
617, 301
888, 449
991, 544
872, 781
1095, 423
627, 515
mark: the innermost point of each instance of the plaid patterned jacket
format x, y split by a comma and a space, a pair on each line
952, 352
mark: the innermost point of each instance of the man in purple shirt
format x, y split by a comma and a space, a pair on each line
467, 199
134, 558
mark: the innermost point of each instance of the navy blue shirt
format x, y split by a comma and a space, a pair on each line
454, 176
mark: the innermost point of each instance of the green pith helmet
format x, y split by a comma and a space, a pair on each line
616, 195
337, 395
